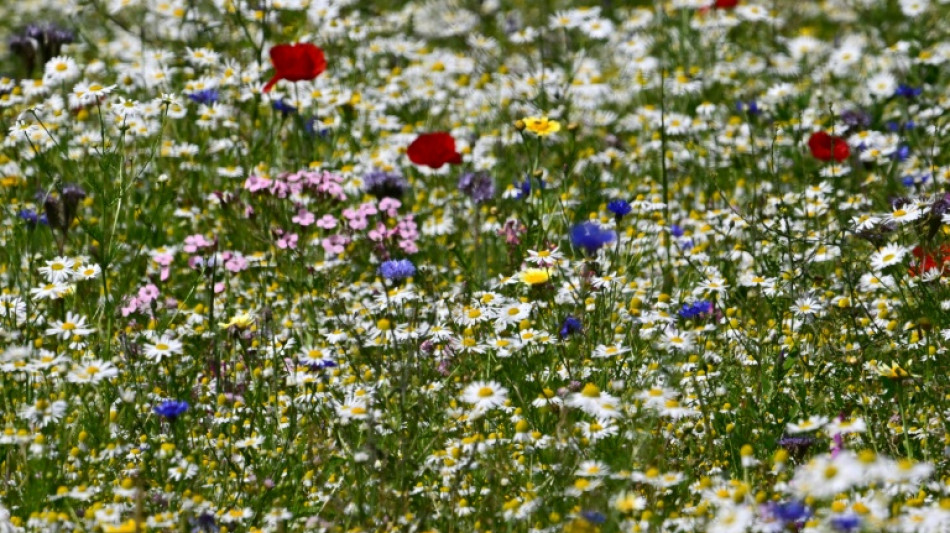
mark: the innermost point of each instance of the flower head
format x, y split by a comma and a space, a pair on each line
398, 269
383, 184
541, 126
484, 395
240, 321
620, 208
591, 237
571, 325
478, 186
171, 409
535, 276
696, 309
434, 150
296, 62
825, 147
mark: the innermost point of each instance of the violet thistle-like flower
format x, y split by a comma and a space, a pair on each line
385, 184
478, 186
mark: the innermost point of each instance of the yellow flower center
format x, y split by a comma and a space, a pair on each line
591, 391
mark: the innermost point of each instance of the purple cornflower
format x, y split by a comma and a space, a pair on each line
856, 118
797, 446
591, 237
478, 186
397, 269
204, 523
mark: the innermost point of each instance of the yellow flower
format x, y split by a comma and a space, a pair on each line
892, 371
126, 527
581, 525
535, 276
241, 321
541, 126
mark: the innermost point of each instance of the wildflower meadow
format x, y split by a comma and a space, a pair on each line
464, 266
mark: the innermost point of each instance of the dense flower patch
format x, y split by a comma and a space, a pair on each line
475, 266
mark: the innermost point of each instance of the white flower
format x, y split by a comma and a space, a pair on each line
92, 371
484, 395
855, 425
164, 346
912, 8
807, 306
882, 85
731, 519
60, 69
594, 402
891, 254
73, 325
904, 214
811, 424
825, 476
603, 351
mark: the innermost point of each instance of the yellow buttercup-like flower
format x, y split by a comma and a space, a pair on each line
535, 276
541, 126
241, 321
892, 371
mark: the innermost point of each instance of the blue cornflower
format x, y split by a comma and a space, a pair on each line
571, 325
32, 218
752, 107
846, 523
311, 127
322, 364
398, 269
902, 153
790, 512
591, 237
594, 517
677, 231
908, 91
523, 188
171, 409
696, 309
204, 523
206, 96
283, 107
620, 208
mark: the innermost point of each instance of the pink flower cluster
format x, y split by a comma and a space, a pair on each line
324, 183
403, 234
142, 302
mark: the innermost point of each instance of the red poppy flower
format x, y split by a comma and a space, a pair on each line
926, 261
825, 147
296, 62
725, 4
434, 150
